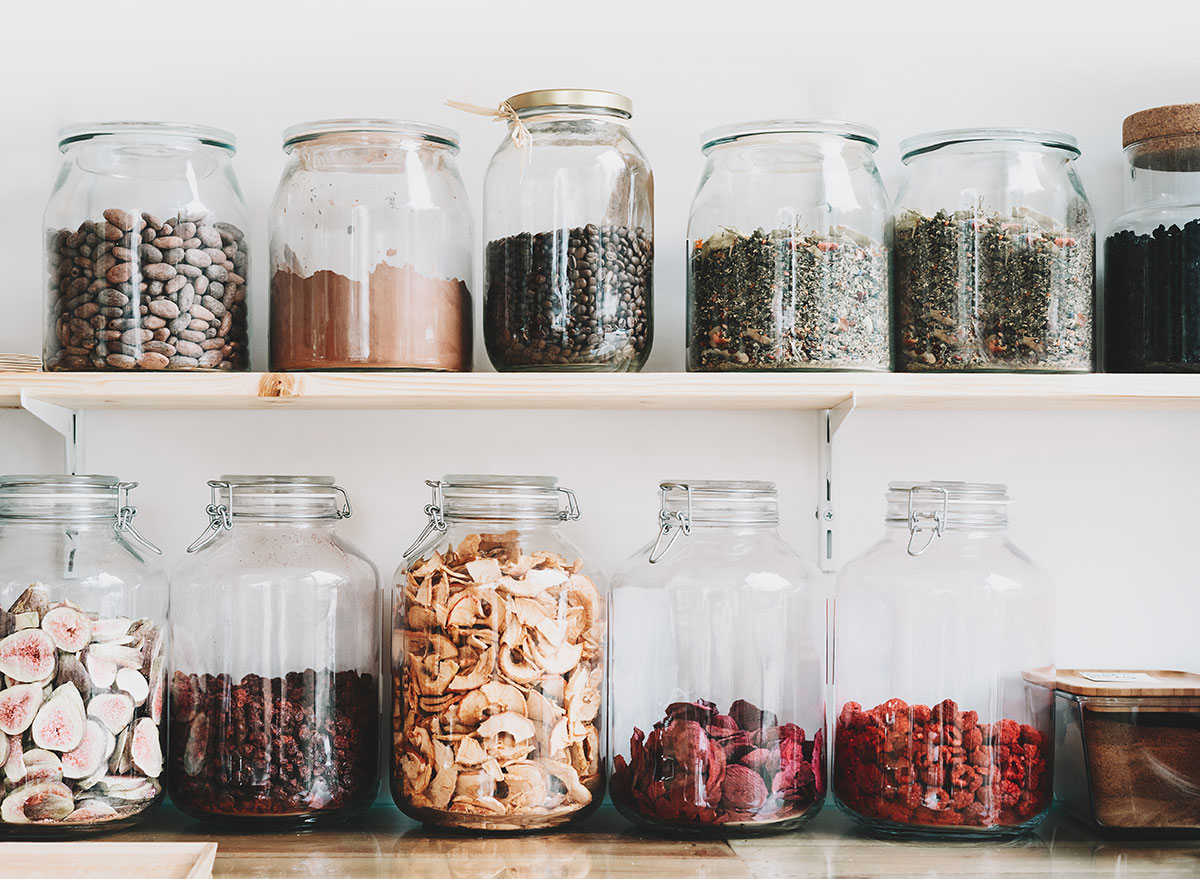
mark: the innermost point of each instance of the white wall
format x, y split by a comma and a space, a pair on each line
1105, 499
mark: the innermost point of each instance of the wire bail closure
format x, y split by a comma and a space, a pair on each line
665, 517
915, 518
125, 514
220, 514
435, 511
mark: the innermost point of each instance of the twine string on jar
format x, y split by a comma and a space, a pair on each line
519, 133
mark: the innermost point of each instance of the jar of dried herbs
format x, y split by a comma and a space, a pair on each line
994, 254
788, 263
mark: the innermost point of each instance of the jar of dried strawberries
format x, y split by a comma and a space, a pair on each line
274, 712
944, 671
497, 661
717, 684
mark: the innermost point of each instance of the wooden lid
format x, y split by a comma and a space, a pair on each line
1174, 119
1128, 682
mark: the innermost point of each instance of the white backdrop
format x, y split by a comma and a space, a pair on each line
1105, 499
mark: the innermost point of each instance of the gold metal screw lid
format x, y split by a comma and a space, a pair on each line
586, 98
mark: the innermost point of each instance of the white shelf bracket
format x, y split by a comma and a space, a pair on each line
66, 422
829, 422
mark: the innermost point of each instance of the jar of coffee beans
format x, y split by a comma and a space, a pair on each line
568, 220
994, 254
788, 250
146, 252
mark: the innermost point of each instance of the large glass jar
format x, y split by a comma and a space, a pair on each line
83, 613
994, 254
274, 713
788, 250
717, 707
498, 651
1152, 255
568, 216
146, 250
944, 671
371, 249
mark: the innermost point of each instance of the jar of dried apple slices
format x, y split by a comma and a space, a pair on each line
497, 661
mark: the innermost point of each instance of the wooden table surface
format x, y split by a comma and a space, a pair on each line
386, 844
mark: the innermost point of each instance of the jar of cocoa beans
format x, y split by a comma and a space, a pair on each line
146, 250
498, 651
716, 695
372, 249
568, 215
944, 671
83, 613
274, 712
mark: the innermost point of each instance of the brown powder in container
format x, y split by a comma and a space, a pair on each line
399, 319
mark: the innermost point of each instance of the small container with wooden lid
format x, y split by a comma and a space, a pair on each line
1127, 755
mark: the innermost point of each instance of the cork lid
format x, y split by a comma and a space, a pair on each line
1164, 138
1126, 682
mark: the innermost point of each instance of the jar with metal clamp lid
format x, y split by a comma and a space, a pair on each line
944, 671
83, 612
274, 712
498, 651
717, 685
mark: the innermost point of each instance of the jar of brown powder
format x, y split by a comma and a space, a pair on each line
371, 249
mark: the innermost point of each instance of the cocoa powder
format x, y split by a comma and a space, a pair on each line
398, 319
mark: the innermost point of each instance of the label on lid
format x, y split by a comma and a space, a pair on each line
1116, 677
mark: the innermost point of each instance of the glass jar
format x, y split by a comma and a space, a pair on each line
497, 661
274, 713
568, 216
83, 613
1152, 255
371, 249
944, 671
994, 254
146, 254
718, 650
788, 250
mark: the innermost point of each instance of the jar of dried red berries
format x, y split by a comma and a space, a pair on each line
717, 685
274, 710
498, 646
944, 671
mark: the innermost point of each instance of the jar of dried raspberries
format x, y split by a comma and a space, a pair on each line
274, 712
717, 687
944, 671
994, 254
497, 661
83, 611
788, 260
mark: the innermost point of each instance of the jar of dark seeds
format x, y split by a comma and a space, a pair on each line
568, 220
994, 254
788, 250
1152, 253
146, 252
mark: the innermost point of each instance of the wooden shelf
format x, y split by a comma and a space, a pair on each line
381, 390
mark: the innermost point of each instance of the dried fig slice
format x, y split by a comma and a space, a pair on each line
70, 628
118, 654
18, 707
157, 693
30, 620
114, 710
90, 755
114, 629
3, 750
27, 655
37, 802
91, 810
71, 671
146, 749
14, 766
103, 672
42, 766
36, 598
59, 724
133, 682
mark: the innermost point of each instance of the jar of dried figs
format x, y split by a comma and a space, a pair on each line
497, 661
716, 696
83, 611
994, 254
371, 249
274, 714
788, 260
146, 254
944, 671
568, 215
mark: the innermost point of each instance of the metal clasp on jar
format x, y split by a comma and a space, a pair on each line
125, 514
220, 514
434, 510
666, 528
934, 522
